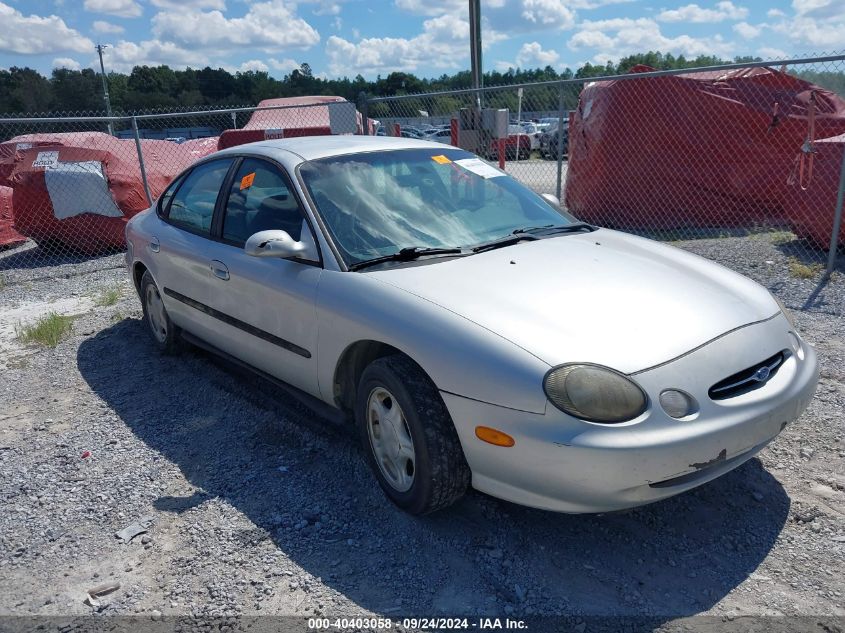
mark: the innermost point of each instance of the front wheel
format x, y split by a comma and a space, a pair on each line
408, 437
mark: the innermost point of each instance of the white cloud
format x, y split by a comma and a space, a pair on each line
819, 8
618, 37
746, 30
220, 5
548, 13
120, 8
253, 64
443, 43
694, 13
101, 26
432, 7
337, 23
812, 34
285, 65
775, 13
532, 54
124, 56
767, 52
267, 25
66, 62
37, 35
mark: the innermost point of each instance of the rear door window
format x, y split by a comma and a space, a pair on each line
192, 206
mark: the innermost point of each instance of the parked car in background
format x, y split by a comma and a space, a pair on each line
517, 145
440, 136
472, 331
549, 141
533, 131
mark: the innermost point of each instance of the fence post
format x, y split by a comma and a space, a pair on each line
559, 187
837, 218
364, 107
234, 120
141, 159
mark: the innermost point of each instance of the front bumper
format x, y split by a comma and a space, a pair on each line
567, 465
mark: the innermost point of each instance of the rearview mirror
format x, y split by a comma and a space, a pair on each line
552, 200
278, 244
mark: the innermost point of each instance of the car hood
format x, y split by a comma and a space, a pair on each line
603, 297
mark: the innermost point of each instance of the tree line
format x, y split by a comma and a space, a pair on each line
26, 91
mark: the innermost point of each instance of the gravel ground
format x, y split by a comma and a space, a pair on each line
259, 507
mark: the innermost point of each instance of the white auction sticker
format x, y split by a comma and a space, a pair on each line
273, 133
479, 167
22, 146
46, 159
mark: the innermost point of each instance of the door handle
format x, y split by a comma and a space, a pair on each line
155, 245
219, 270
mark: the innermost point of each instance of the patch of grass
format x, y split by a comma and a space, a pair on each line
2, 282
117, 316
803, 271
48, 331
108, 297
781, 237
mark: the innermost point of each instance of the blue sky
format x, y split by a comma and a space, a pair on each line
426, 37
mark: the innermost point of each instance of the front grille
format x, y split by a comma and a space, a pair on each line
748, 379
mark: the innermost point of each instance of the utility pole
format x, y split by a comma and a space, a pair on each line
475, 47
100, 49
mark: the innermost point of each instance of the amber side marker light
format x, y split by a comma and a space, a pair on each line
492, 436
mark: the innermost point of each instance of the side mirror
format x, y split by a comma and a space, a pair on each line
552, 200
278, 244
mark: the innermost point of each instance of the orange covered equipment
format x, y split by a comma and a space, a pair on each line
696, 149
296, 116
8, 235
78, 190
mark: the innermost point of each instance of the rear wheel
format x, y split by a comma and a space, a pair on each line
408, 437
165, 334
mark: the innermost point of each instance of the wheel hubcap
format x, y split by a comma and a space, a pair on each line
390, 438
156, 314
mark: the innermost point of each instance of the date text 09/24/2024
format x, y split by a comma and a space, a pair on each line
317, 624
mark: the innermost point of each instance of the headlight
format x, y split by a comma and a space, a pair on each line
786, 312
594, 393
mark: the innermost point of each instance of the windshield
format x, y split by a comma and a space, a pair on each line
377, 203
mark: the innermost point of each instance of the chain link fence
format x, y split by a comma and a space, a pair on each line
733, 150
675, 155
69, 184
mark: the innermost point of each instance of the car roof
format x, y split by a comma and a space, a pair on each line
314, 147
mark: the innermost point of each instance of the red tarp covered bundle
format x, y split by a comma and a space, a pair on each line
811, 209
80, 190
698, 149
289, 121
8, 235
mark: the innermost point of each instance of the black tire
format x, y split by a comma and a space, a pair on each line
441, 474
170, 341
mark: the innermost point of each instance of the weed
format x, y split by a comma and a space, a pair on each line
49, 330
108, 297
803, 271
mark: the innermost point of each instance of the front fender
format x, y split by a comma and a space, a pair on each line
460, 356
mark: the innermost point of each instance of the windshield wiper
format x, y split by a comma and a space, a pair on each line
530, 233
408, 254
551, 228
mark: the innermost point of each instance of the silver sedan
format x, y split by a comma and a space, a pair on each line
473, 332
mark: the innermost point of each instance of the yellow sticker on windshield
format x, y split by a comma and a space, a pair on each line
246, 181
440, 158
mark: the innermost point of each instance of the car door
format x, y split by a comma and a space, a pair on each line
184, 266
266, 305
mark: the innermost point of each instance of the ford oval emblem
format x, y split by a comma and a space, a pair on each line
762, 374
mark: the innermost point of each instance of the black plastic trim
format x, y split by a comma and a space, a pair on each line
241, 325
